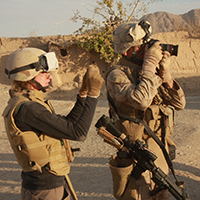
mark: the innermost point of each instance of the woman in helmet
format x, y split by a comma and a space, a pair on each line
39, 137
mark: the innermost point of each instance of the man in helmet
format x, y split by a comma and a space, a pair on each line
39, 137
141, 87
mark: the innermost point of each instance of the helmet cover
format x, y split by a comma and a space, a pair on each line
128, 35
26, 63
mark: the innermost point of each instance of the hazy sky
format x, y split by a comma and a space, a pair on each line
23, 18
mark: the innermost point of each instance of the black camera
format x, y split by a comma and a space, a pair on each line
172, 49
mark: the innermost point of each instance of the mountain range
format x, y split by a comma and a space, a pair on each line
166, 22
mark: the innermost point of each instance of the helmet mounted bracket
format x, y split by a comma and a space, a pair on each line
145, 26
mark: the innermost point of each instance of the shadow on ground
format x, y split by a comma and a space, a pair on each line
191, 178
90, 176
10, 181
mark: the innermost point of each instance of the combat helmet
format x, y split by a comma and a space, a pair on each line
130, 34
26, 63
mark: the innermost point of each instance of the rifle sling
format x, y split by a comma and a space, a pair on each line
155, 137
149, 131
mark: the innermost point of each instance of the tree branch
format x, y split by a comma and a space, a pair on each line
135, 8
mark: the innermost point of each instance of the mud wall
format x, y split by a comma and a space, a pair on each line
74, 60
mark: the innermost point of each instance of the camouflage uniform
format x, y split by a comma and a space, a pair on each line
138, 94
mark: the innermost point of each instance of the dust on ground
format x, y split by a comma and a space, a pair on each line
90, 173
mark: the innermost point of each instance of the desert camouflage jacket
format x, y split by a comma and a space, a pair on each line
130, 87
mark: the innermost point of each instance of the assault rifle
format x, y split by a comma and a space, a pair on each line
142, 157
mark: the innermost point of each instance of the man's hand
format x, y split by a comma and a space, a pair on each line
164, 68
152, 57
165, 61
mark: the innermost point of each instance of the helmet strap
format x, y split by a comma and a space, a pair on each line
44, 89
24, 68
136, 57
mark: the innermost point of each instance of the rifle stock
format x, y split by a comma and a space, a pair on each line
144, 160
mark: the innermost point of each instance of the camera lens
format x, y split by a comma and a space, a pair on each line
172, 49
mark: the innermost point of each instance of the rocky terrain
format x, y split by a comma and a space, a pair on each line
167, 22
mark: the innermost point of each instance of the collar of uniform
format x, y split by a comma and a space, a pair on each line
36, 94
31, 94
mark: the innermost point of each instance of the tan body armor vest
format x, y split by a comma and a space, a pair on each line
158, 116
33, 152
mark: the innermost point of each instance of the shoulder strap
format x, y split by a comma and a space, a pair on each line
18, 107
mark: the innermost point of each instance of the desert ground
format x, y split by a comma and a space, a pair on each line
90, 173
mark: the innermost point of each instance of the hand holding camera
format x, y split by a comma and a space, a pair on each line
152, 57
156, 56
164, 67
172, 49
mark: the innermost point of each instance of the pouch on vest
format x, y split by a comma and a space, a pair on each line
132, 130
123, 183
153, 119
30, 151
154, 116
168, 112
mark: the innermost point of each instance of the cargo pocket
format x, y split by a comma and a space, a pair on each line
153, 119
